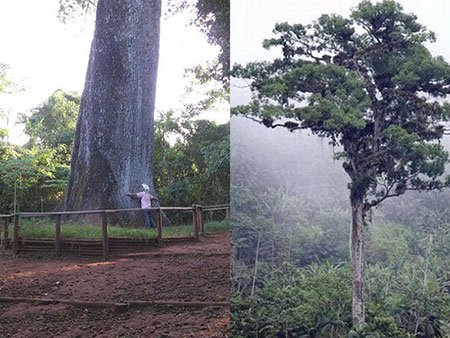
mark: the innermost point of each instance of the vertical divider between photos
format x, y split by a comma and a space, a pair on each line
105, 242
16, 247
58, 241
160, 226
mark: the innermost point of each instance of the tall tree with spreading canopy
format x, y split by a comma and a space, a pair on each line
112, 151
369, 85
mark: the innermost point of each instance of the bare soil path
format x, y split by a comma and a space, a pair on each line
180, 272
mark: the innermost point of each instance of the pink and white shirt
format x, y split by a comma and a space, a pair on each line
146, 199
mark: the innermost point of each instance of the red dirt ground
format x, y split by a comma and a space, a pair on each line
181, 272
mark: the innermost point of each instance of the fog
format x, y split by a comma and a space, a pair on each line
302, 165
298, 162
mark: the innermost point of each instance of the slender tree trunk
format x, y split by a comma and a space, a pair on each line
358, 260
114, 135
255, 273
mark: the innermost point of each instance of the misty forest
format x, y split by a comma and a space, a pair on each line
339, 190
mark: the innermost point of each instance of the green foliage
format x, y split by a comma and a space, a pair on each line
24, 177
414, 274
194, 166
53, 124
407, 273
310, 302
290, 229
315, 301
34, 177
211, 227
407, 278
274, 197
3, 133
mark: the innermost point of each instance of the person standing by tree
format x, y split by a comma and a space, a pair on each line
146, 202
123, 65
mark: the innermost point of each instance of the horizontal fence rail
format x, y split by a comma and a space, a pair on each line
108, 211
107, 243
123, 305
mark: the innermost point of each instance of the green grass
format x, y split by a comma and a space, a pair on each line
45, 229
212, 227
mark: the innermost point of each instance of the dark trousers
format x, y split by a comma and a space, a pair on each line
148, 219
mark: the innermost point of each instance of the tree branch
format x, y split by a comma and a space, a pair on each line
270, 123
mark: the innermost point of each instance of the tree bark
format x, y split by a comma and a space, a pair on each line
358, 260
114, 135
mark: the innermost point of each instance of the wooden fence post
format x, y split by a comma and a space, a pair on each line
201, 220
195, 223
227, 214
16, 234
5, 233
105, 244
160, 225
58, 235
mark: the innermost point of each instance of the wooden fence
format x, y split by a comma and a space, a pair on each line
107, 243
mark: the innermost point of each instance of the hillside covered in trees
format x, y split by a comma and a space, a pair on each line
290, 229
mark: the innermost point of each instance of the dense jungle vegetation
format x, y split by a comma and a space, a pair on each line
291, 268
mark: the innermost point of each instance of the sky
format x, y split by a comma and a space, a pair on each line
252, 21
45, 55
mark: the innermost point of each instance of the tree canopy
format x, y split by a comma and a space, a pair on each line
368, 84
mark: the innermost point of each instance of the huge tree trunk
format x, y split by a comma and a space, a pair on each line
358, 260
114, 135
